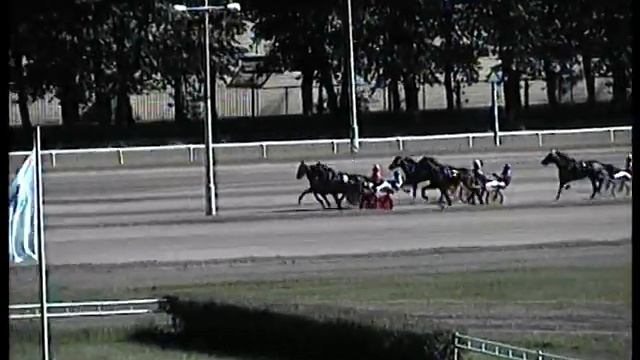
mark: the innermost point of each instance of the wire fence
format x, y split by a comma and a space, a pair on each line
285, 100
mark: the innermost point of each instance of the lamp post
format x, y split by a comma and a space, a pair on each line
353, 114
495, 79
210, 187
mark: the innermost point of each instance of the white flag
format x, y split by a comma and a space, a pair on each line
22, 203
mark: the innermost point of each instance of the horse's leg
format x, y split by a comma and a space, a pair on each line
324, 196
303, 194
446, 196
414, 187
424, 193
501, 196
319, 199
594, 186
560, 187
338, 200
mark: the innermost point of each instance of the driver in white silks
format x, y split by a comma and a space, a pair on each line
478, 173
616, 173
381, 184
619, 176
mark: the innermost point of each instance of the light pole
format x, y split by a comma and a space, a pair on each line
353, 117
495, 79
210, 187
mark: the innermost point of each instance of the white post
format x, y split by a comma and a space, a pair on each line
210, 187
41, 249
494, 105
355, 139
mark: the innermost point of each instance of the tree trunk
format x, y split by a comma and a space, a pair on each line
307, 91
458, 91
326, 81
512, 99
410, 92
589, 78
320, 104
124, 112
619, 84
551, 79
526, 93
23, 98
180, 115
448, 85
448, 67
69, 104
394, 94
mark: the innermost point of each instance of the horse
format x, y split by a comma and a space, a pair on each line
464, 181
445, 177
570, 169
413, 176
323, 180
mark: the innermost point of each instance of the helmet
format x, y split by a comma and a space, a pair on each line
629, 156
507, 166
477, 164
376, 168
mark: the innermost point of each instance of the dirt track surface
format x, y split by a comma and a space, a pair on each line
156, 214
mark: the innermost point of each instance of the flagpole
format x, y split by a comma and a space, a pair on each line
41, 249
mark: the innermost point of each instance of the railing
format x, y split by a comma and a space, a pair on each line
399, 140
86, 308
499, 350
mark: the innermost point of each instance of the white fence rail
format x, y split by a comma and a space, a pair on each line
500, 350
264, 145
86, 308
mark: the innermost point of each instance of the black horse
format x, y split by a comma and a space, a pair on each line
462, 180
417, 172
323, 180
444, 177
570, 169
413, 175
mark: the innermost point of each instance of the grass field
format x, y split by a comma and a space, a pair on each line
579, 311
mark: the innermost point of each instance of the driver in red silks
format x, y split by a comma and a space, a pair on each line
376, 175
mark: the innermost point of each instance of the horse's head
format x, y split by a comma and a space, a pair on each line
302, 170
552, 157
396, 163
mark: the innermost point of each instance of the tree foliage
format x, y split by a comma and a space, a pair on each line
97, 53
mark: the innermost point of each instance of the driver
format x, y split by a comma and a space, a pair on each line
500, 181
478, 173
381, 184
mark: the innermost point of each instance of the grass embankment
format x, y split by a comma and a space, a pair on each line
407, 302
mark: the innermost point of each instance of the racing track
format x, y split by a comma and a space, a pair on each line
156, 214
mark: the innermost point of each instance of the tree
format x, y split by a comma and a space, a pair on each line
302, 39
510, 34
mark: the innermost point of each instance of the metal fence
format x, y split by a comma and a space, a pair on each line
399, 142
285, 99
499, 350
86, 308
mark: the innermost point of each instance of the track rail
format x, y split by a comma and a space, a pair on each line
86, 308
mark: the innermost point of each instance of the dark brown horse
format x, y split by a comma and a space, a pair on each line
570, 169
